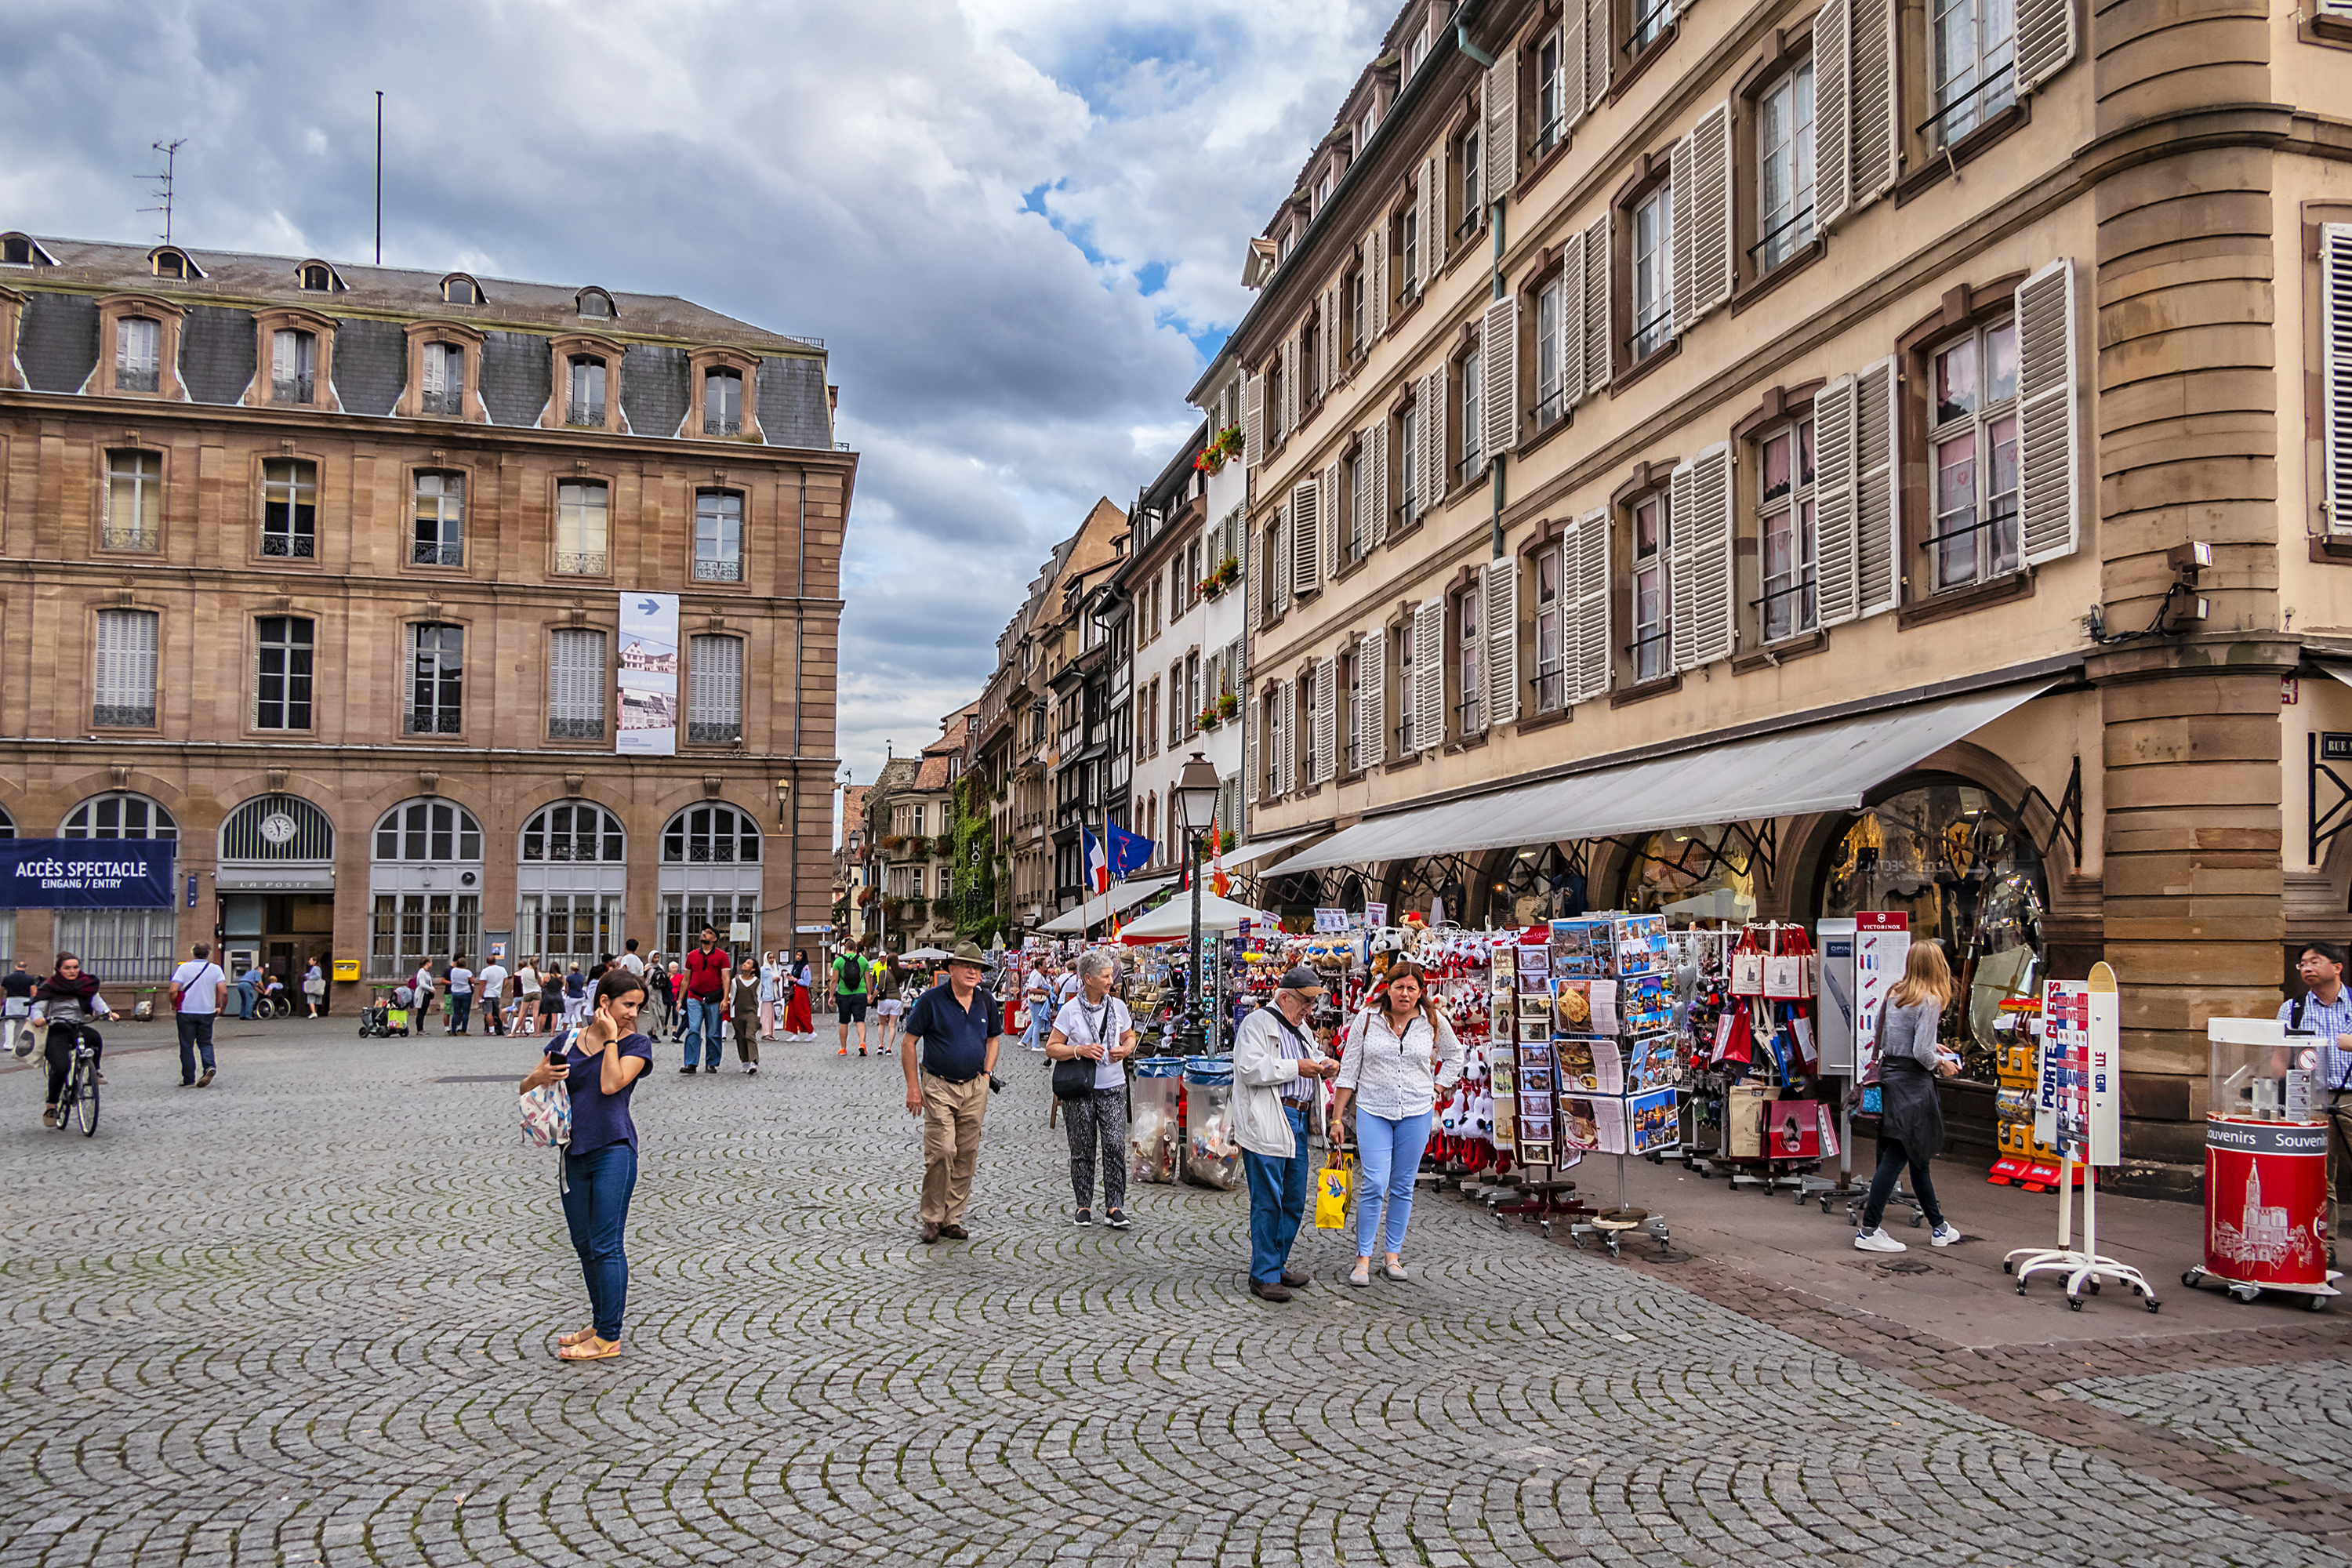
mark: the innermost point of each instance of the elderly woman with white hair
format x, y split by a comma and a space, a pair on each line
1094, 1026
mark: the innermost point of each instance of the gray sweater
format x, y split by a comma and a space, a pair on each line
1910, 1032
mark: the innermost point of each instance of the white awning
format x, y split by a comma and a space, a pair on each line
1822, 767
1100, 907
2342, 672
1248, 854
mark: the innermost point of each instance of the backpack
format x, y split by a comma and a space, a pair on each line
547, 1110
854, 971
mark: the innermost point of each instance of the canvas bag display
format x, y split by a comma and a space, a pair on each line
1747, 968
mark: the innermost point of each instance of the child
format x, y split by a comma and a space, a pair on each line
888, 1006
743, 1004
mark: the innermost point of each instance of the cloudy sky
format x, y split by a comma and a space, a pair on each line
1017, 223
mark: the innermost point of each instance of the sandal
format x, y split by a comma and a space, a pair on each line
577, 1336
590, 1349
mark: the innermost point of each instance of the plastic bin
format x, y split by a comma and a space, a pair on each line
1212, 1158
1153, 1135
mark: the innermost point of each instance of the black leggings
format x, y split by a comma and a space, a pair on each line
60, 1055
1892, 1158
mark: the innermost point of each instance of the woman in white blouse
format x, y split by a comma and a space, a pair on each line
1400, 1051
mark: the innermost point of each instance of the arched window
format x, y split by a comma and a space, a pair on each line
425, 887
118, 815
459, 290
317, 277
570, 884
278, 827
119, 946
574, 832
444, 375
585, 403
710, 834
710, 873
597, 305
428, 830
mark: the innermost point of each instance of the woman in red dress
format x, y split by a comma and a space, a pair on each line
797, 1024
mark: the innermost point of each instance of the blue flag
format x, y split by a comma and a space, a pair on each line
1129, 852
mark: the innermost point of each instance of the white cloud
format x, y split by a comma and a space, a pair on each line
855, 172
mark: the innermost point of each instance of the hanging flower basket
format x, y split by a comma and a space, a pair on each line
1229, 571
1222, 448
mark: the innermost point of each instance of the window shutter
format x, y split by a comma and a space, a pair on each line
1434, 240
1376, 273
1498, 358
1502, 149
1877, 518
2048, 475
1598, 365
1326, 721
1597, 52
1249, 748
1710, 246
1686, 306
1699, 525
1435, 420
1876, 137
1254, 578
1303, 542
1252, 420
1588, 659
1834, 501
1335, 521
1334, 340
1832, 114
1286, 758
1502, 641
1571, 321
2336, 371
1378, 437
1429, 676
1571, 68
1291, 369
2045, 40
1375, 652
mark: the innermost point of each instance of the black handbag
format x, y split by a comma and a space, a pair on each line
1075, 1079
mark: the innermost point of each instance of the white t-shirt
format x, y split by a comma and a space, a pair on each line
634, 964
1083, 1024
1067, 986
493, 980
461, 981
527, 984
200, 981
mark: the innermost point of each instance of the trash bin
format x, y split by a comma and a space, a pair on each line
1212, 1158
2265, 1163
1153, 1126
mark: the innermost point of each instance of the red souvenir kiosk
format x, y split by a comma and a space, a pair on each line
2266, 1165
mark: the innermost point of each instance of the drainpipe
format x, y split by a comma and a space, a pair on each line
1461, 41
1495, 523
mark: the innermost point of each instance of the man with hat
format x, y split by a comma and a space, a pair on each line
1277, 1064
949, 1053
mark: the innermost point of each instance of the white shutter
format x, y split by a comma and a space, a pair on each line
1251, 703
1326, 721
1375, 648
1572, 68
1436, 419
1434, 240
1285, 757
1876, 138
2045, 40
1304, 558
1252, 420
1292, 373
1599, 364
1334, 341
1710, 245
1834, 502
1832, 114
1587, 558
1571, 321
1502, 641
2049, 482
575, 684
1699, 523
1685, 188
123, 684
1877, 516
1502, 152
2336, 371
1359, 737
1429, 676
1376, 289
1599, 48
1378, 437
1498, 358
1335, 520
1254, 578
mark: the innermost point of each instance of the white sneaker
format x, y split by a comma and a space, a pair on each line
1877, 1241
1945, 1234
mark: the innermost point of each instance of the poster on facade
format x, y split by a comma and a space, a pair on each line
646, 722
86, 873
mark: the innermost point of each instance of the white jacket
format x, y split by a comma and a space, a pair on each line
1260, 1071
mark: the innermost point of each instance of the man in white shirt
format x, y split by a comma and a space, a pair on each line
461, 993
1276, 1061
630, 960
492, 983
197, 987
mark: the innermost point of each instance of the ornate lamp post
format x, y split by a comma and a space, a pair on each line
1196, 813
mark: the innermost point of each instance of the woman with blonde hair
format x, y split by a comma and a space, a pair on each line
1400, 1051
1911, 1126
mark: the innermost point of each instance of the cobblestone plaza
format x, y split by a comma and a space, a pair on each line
306, 1316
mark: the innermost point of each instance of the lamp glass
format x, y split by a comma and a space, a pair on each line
1196, 796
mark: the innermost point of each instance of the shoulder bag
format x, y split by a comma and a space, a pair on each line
1075, 1079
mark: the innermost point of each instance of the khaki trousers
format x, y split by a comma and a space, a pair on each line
951, 1117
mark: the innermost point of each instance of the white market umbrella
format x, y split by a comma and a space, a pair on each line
924, 952
1172, 922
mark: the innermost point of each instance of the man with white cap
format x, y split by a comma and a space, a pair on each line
1277, 1064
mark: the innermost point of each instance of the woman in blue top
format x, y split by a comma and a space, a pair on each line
599, 1071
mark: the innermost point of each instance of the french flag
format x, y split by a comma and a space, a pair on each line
1097, 862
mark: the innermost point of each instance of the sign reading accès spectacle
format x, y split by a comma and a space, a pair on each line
86, 873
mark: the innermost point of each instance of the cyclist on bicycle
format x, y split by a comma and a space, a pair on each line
66, 1001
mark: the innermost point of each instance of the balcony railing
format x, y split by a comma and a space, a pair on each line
589, 416
441, 721
718, 571
136, 380
722, 426
290, 389
714, 732
591, 728
580, 562
131, 538
444, 402
432, 553
294, 546
123, 715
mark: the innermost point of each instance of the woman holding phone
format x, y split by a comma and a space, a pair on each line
599, 1068
1911, 1128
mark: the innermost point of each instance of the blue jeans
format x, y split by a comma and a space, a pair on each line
702, 1023
196, 1034
244, 1000
461, 1012
596, 1208
1277, 1190
1390, 1155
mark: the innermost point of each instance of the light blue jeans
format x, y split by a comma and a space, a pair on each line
1389, 1156
702, 1023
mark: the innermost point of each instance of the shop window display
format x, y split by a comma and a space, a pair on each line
1693, 874
1539, 884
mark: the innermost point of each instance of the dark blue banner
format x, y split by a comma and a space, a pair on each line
86, 873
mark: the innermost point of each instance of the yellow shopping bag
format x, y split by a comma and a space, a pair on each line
1332, 1184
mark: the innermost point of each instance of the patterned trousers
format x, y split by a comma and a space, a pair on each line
1098, 1122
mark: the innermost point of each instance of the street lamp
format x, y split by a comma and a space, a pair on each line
1196, 813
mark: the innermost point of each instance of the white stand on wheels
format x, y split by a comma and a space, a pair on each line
2080, 1039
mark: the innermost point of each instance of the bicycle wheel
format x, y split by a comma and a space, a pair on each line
85, 1102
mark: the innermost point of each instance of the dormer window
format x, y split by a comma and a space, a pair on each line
444, 376
293, 366
24, 251
459, 290
722, 402
595, 304
317, 277
171, 261
585, 403
138, 344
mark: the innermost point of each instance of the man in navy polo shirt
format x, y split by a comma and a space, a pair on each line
956, 1028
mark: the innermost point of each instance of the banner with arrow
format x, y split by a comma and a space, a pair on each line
647, 723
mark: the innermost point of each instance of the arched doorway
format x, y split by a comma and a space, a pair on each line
710, 873
425, 887
119, 946
276, 886
571, 875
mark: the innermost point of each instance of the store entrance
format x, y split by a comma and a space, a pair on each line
281, 933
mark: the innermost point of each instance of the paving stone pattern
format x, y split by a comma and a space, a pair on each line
2297, 1416
305, 1316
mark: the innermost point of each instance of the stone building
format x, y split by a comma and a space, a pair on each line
1794, 459
910, 818
325, 572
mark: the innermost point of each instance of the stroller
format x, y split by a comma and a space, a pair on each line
375, 1020
397, 1015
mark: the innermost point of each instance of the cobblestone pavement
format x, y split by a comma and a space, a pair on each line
306, 1316
2293, 1417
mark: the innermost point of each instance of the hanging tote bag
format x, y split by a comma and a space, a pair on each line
547, 1110
1332, 1185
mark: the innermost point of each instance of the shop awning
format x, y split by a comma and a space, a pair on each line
1098, 909
2342, 672
1250, 854
1822, 767
1172, 922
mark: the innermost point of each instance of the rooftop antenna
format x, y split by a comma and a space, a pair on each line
379, 176
163, 193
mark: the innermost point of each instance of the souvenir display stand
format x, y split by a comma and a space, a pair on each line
2266, 1165
1775, 1130
1617, 987
2082, 1027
